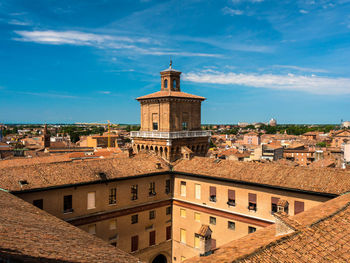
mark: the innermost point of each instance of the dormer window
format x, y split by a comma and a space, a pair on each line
165, 84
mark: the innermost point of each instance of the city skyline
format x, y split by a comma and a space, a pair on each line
65, 62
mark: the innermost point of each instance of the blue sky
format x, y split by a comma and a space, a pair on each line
87, 61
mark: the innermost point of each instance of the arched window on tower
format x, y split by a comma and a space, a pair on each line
174, 84
165, 84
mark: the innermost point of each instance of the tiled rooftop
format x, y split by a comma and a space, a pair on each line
322, 235
65, 173
28, 234
325, 180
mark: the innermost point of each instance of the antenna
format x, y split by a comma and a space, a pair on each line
171, 63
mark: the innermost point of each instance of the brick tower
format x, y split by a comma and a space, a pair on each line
171, 121
46, 137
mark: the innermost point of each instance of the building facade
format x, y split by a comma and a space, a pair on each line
171, 121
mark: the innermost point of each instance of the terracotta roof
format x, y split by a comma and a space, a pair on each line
325, 180
65, 173
175, 94
35, 160
29, 234
203, 230
322, 235
323, 163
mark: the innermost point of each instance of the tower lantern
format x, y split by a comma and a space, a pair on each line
171, 121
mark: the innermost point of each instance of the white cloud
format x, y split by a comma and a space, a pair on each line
232, 12
105, 92
310, 84
302, 11
137, 45
315, 70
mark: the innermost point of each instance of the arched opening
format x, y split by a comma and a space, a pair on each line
142, 147
138, 148
147, 148
197, 149
174, 84
159, 259
161, 151
151, 148
156, 149
165, 83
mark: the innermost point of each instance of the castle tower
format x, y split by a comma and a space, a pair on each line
46, 137
171, 121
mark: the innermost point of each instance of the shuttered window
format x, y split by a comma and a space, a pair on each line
182, 212
298, 207
152, 238
197, 191
197, 216
231, 197
213, 243
134, 243
91, 200
183, 236
274, 201
183, 188
168, 232
252, 201
196, 241
212, 192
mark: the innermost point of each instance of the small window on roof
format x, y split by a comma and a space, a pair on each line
23, 182
102, 175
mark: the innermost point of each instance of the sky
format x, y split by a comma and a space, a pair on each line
86, 61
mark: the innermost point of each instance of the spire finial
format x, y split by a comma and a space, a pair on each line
171, 63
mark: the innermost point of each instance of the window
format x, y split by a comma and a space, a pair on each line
197, 216
168, 210
167, 186
212, 220
91, 204
168, 232
112, 224
298, 207
182, 212
274, 201
251, 229
183, 188
112, 196
39, 203
197, 188
134, 192
152, 238
231, 197
231, 225
152, 214
114, 244
152, 189
92, 229
196, 241
67, 204
134, 243
252, 202
174, 84
155, 126
212, 192
134, 219
184, 126
183, 236
165, 83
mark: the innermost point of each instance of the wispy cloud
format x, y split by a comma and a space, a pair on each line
310, 84
50, 95
315, 70
232, 12
18, 22
105, 92
302, 11
138, 45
